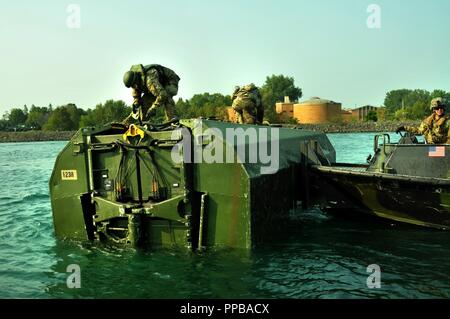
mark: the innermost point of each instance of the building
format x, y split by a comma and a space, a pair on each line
360, 113
317, 110
347, 115
286, 107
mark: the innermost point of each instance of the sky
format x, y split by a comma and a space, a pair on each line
48, 55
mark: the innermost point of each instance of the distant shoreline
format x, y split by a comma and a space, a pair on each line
35, 136
357, 127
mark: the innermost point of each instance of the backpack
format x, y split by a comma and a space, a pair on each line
167, 76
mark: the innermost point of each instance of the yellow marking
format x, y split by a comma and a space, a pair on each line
133, 130
69, 175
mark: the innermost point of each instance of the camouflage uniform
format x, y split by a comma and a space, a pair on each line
247, 104
157, 86
434, 128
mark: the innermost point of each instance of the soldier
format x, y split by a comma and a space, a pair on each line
434, 128
152, 86
247, 104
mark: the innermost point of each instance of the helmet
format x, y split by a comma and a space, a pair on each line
437, 102
129, 78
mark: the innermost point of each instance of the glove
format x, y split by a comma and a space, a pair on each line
400, 129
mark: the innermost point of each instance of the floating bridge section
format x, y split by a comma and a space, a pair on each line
193, 183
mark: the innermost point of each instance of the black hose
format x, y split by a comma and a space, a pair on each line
158, 127
136, 147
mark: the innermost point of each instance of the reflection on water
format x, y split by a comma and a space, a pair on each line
318, 256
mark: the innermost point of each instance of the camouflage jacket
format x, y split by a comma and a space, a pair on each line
435, 131
250, 92
156, 79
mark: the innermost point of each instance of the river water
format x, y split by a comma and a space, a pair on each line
321, 257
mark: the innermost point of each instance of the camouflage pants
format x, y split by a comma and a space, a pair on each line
168, 103
147, 101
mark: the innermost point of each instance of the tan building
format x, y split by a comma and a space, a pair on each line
286, 107
360, 113
317, 110
346, 115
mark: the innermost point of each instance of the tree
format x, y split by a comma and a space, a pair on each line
381, 114
274, 90
441, 93
25, 110
418, 110
372, 116
17, 117
75, 115
110, 111
415, 103
64, 118
37, 117
4, 125
203, 105
59, 121
401, 114
438, 93
394, 100
184, 109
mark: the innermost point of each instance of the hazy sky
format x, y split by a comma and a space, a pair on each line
214, 45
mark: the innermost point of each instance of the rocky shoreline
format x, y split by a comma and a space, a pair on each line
35, 136
357, 127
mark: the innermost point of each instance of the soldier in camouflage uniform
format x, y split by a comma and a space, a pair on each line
152, 86
247, 104
434, 128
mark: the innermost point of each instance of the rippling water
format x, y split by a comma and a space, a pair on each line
320, 257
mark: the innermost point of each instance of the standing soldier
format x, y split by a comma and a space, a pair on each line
152, 86
434, 128
247, 104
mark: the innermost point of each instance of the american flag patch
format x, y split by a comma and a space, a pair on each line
436, 151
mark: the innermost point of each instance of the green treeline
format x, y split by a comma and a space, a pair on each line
400, 105
407, 104
69, 117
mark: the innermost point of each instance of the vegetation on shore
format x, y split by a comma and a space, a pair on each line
69, 117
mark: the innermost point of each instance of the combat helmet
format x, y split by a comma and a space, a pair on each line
129, 78
437, 102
